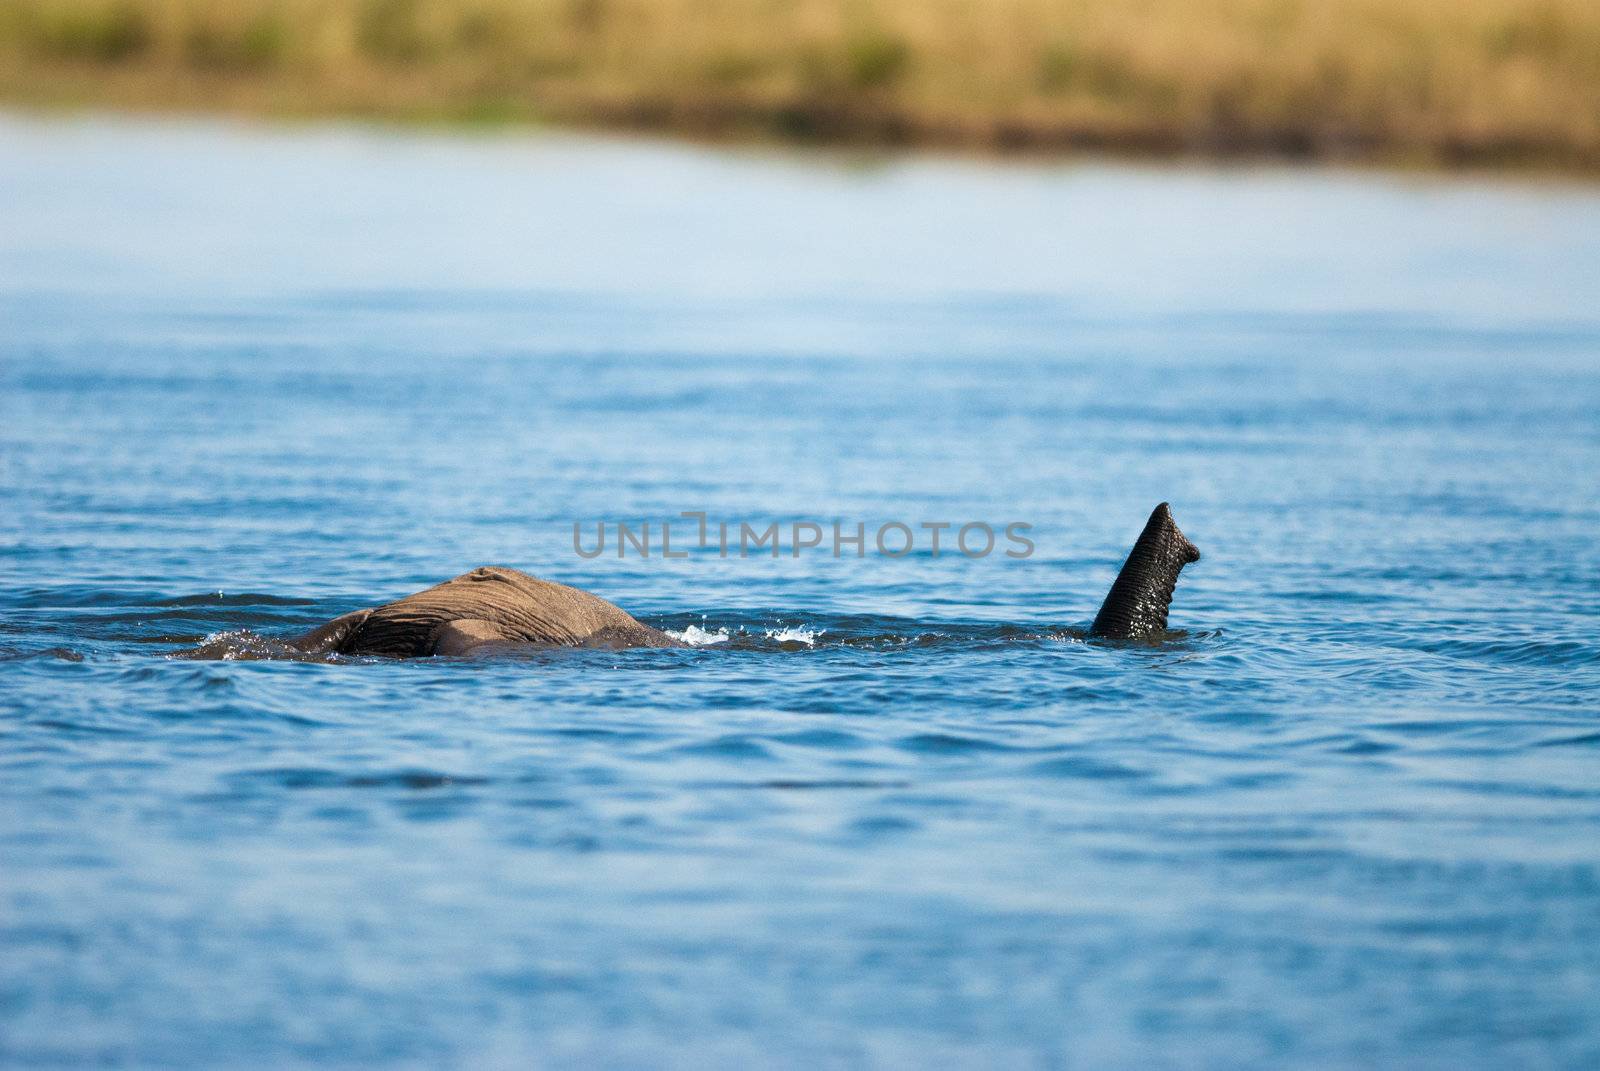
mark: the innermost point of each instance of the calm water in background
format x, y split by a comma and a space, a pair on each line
901, 816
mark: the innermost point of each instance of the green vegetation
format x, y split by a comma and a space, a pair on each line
1447, 81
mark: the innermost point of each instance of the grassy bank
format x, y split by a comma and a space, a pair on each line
1444, 81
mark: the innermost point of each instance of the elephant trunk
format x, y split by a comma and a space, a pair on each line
1136, 606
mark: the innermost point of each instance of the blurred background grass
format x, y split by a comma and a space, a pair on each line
1439, 81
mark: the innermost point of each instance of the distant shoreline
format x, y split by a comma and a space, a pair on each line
1503, 84
885, 132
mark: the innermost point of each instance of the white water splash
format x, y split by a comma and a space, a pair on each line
695, 636
795, 634
243, 645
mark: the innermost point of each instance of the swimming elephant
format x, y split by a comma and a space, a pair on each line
489, 606
497, 607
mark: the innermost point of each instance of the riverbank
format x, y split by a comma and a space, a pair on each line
1477, 82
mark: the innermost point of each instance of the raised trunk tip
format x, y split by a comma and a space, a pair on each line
1136, 606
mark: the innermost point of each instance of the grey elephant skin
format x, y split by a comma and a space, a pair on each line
496, 608
486, 608
1136, 606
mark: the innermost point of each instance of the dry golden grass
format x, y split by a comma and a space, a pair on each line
1435, 80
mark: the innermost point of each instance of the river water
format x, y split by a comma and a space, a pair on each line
889, 811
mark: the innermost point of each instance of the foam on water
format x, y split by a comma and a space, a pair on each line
795, 634
782, 635
695, 636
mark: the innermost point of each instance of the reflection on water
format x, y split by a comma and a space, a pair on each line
887, 811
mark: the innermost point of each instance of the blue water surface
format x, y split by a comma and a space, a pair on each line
893, 812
